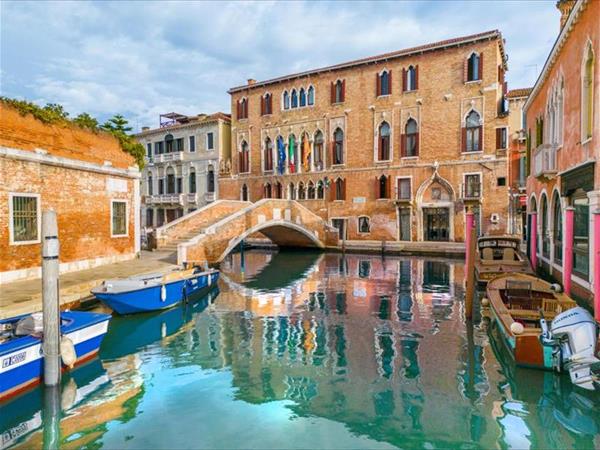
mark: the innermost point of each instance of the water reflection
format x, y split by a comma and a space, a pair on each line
348, 351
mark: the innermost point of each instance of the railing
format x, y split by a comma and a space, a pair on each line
165, 157
165, 199
544, 160
210, 197
192, 198
471, 191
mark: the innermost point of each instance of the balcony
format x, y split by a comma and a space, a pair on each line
192, 198
470, 191
210, 197
544, 161
167, 157
164, 199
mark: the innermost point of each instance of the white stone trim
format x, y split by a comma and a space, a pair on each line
112, 202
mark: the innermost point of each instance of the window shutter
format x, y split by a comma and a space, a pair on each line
377, 191
498, 138
332, 93
240, 162
466, 70
390, 84
417, 143
344, 189
262, 106
480, 147
480, 75
463, 144
378, 84
332, 153
388, 187
403, 145
417, 77
343, 90
237, 110
404, 83
332, 191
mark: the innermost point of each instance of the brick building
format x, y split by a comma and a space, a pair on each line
183, 158
563, 185
517, 158
85, 177
390, 147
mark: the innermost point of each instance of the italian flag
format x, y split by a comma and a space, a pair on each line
292, 158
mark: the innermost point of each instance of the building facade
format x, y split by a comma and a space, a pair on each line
85, 177
517, 159
391, 147
183, 159
563, 129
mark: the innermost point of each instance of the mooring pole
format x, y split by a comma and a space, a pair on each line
242, 258
51, 415
470, 241
50, 301
596, 261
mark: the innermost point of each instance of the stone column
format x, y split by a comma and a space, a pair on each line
568, 246
533, 240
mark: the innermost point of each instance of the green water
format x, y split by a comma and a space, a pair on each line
308, 350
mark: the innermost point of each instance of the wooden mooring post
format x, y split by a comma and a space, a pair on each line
470, 244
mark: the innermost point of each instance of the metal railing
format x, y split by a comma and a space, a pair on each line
165, 199
210, 196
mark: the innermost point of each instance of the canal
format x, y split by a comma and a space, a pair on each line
311, 350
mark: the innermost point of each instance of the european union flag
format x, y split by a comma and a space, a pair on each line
281, 153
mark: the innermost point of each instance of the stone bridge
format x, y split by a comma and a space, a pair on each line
286, 223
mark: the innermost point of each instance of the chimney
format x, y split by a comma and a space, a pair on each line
145, 128
565, 7
251, 81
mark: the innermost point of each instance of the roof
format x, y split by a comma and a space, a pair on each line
521, 92
200, 119
440, 45
556, 48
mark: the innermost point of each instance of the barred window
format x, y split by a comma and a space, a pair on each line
119, 218
25, 218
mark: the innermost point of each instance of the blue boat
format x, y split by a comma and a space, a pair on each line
21, 358
154, 292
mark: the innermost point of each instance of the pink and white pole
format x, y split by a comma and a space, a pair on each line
568, 256
596, 262
533, 240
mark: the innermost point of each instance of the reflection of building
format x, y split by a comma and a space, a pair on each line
183, 157
384, 148
563, 185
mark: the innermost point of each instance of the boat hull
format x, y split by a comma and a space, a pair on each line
22, 362
151, 298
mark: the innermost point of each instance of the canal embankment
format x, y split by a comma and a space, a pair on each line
25, 297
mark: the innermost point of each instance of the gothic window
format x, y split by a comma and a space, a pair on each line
472, 132
302, 97
587, 94
411, 138
474, 67
384, 142
338, 146
311, 96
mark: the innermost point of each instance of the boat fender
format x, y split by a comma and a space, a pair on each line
556, 287
485, 302
163, 293
209, 279
517, 328
67, 352
68, 396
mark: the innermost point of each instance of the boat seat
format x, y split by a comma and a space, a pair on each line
529, 314
518, 294
508, 254
488, 253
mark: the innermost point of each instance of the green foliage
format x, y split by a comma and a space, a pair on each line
54, 113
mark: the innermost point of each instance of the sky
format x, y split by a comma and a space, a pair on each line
141, 59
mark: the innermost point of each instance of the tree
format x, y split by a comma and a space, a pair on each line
117, 124
84, 120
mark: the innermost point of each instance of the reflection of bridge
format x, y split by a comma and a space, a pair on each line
210, 233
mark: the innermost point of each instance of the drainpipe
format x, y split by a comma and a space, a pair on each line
596, 263
533, 240
568, 256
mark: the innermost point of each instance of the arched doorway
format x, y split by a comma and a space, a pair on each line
435, 210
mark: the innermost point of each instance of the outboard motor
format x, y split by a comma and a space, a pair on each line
572, 336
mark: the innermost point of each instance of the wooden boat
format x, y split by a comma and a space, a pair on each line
515, 302
497, 255
154, 292
21, 357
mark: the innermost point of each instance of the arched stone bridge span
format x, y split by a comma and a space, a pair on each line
285, 222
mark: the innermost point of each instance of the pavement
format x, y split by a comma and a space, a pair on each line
25, 297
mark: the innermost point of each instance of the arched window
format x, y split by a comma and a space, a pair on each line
411, 79
383, 187
318, 151
267, 193
150, 188
557, 228
364, 224
301, 191
278, 190
544, 227
244, 156
192, 181
294, 98
338, 146
302, 97
411, 139
292, 154
170, 181
268, 155
210, 180
587, 94
245, 193
384, 83
472, 132
340, 189
169, 141
286, 100
242, 112
267, 104
311, 190
384, 142
474, 67
320, 190
292, 191
339, 91
311, 96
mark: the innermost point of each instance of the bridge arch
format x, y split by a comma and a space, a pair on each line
280, 232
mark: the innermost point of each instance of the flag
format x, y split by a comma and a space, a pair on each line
292, 157
281, 155
306, 153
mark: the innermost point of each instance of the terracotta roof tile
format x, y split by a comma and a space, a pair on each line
521, 92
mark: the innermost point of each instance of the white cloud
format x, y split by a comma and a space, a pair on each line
141, 59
